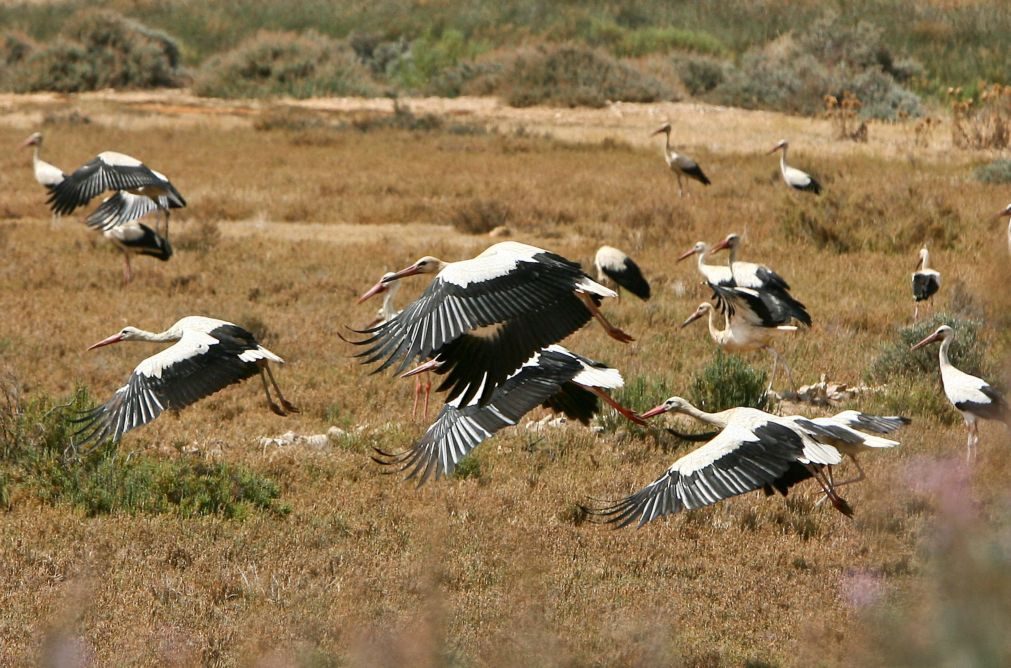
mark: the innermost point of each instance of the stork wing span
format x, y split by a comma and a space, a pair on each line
108, 171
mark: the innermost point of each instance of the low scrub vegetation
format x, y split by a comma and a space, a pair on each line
728, 382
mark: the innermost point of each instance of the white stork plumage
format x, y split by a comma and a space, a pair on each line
753, 451
115, 171
793, 177
973, 397
926, 281
208, 355
481, 318
117, 219
717, 274
49, 176
680, 164
749, 274
1007, 213
618, 268
553, 377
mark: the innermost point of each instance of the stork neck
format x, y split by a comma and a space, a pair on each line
942, 354
35, 154
715, 419
666, 142
782, 160
702, 261
388, 309
171, 334
925, 265
713, 331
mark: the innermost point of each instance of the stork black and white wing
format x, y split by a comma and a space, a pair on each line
125, 207
108, 171
762, 308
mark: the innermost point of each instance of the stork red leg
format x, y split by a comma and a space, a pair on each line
612, 331
287, 405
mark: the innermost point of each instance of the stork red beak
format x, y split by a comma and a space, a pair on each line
653, 412
376, 289
422, 368
930, 339
687, 254
919, 263
720, 246
403, 273
115, 338
27, 142
692, 318
1005, 213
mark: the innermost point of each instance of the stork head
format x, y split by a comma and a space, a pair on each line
425, 265
379, 288
732, 241
125, 334
704, 307
1006, 212
924, 259
699, 248
940, 334
782, 144
665, 129
35, 139
675, 404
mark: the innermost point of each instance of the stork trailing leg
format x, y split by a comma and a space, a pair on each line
612, 331
287, 405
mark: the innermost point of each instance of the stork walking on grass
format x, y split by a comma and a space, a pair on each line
115, 171
208, 356
682, 166
553, 377
616, 267
753, 450
481, 318
973, 397
926, 282
49, 176
793, 177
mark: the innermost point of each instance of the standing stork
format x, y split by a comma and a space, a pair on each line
715, 274
49, 176
753, 450
481, 318
553, 377
617, 267
208, 356
1007, 213
926, 281
115, 171
795, 178
749, 274
680, 164
973, 397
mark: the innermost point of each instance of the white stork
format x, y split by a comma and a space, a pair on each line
749, 274
480, 319
615, 266
716, 274
117, 219
115, 171
49, 176
553, 377
753, 451
209, 355
739, 335
680, 164
974, 398
926, 281
1007, 213
792, 176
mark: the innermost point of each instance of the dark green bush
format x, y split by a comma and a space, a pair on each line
701, 75
998, 171
299, 65
895, 360
728, 382
574, 76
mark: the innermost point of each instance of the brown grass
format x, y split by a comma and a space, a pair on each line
493, 569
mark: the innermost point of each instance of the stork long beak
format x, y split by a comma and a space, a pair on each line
919, 263
693, 317
115, 338
930, 339
720, 246
1004, 214
773, 150
376, 289
653, 412
403, 273
431, 364
27, 142
687, 254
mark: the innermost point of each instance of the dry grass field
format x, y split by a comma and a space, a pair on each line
293, 212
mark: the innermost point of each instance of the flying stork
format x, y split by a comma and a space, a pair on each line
753, 451
49, 176
553, 377
680, 164
615, 266
115, 171
481, 318
208, 356
795, 178
926, 281
974, 398
117, 219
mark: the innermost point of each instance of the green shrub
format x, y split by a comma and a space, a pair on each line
896, 360
574, 76
271, 63
701, 75
728, 382
998, 171
430, 55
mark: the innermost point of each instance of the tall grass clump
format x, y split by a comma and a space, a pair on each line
572, 76
36, 460
728, 382
97, 49
275, 63
981, 120
998, 171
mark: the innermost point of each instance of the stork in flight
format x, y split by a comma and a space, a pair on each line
481, 318
49, 176
973, 397
208, 356
753, 450
117, 219
680, 164
793, 177
115, 171
926, 282
553, 377
618, 268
